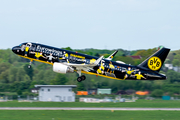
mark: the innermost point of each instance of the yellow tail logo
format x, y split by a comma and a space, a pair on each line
154, 63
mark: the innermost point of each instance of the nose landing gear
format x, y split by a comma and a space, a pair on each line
29, 66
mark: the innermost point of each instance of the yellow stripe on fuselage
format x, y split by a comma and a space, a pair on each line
91, 73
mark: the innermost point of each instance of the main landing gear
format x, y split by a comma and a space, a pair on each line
81, 78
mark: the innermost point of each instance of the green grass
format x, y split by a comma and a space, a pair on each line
90, 114
138, 103
87, 115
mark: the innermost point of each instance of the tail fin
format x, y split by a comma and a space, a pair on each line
155, 61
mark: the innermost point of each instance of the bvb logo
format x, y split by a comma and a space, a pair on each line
154, 63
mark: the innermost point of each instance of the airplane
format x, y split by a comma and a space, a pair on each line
64, 61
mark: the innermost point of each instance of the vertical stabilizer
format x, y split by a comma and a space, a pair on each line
155, 61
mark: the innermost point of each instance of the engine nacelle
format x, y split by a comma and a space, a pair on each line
61, 68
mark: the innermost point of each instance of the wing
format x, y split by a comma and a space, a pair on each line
85, 67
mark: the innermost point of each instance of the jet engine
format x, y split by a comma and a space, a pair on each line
61, 68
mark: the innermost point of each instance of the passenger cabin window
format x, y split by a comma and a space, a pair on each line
48, 90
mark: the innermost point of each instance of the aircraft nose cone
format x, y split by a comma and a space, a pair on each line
16, 49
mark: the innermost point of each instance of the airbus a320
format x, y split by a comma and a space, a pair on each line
64, 61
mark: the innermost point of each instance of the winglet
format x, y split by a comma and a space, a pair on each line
112, 55
98, 60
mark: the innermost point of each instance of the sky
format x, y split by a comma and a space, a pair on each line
98, 24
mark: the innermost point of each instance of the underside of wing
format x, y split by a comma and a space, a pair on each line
85, 67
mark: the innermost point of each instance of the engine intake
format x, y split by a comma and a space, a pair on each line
61, 68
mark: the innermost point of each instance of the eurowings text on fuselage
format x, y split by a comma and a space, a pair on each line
65, 61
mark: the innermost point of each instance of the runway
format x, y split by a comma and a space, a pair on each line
87, 108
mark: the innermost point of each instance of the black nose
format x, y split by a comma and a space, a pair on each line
16, 49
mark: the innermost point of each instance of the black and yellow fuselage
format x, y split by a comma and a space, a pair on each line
105, 68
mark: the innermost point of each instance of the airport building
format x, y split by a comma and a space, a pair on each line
56, 93
103, 91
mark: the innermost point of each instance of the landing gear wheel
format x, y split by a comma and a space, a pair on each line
29, 66
83, 77
79, 79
